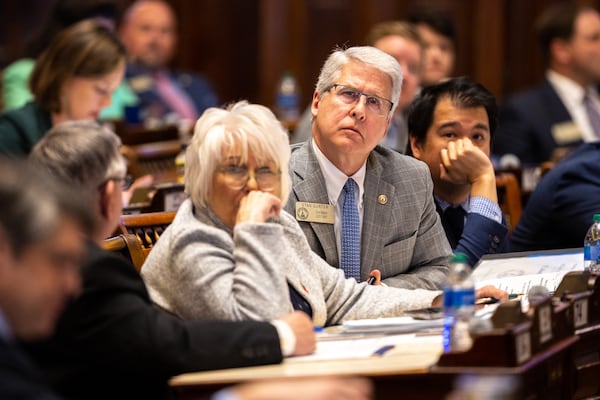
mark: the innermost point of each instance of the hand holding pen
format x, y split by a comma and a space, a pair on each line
374, 277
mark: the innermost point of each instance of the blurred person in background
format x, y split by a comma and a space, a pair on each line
112, 342
73, 79
149, 33
438, 35
42, 225
546, 122
15, 77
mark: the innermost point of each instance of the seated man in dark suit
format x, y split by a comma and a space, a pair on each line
545, 122
450, 128
112, 342
560, 210
41, 247
148, 31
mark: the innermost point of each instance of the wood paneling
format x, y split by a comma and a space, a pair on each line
243, 46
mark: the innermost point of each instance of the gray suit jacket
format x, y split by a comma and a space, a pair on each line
403, 237
200, 269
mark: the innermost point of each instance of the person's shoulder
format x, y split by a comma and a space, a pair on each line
391, 158
299, 154
528, 95
105, 268
20, 67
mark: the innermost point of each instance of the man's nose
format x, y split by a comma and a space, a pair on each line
358, 110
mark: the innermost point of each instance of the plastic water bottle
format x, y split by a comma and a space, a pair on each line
459, 305
287, 100
591, 246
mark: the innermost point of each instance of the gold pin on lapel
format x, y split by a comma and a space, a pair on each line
382, 199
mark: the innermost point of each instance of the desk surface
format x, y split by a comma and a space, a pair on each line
409, 370
406, 358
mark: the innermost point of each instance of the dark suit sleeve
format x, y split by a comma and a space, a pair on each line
113, 338
124, 317
481, 236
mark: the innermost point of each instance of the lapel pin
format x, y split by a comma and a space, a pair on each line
382, 199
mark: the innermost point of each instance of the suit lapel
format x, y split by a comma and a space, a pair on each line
310, 187
377, 202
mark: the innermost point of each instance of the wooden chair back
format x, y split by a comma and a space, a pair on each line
127, 245
509, 198
147, 227
157, 198
134, 134
157, 158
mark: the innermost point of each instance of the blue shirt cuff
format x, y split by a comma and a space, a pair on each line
485, 207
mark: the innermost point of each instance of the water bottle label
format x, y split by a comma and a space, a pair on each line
591, 253
455, 298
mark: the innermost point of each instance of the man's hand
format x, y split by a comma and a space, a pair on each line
303, 328
491, 291
465, 164
375, 274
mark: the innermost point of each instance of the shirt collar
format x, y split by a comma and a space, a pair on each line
335, 179
567, 89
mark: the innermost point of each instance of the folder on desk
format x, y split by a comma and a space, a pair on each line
518, 272
393, 325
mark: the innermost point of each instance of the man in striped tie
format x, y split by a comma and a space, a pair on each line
148, 31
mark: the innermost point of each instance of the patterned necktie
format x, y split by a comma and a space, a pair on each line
455, 217
593, 115
174, 97
350, 262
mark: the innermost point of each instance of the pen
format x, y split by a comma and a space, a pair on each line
493, 300
371, 280
486, 300
382, 350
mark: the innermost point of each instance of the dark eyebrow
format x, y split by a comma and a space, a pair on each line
454, 124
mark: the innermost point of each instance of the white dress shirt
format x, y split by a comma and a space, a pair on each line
335, 181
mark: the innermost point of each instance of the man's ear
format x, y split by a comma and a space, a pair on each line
314, 106
561, 51
106, 193
415, 147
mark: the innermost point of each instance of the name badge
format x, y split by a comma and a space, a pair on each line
315, 212
141, 83
566, 132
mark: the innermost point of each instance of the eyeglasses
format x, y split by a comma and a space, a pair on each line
126, 181
349, 95
237, 176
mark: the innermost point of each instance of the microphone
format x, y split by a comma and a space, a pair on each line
537, 293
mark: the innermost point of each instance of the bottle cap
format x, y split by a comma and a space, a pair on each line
596, 217
459, 258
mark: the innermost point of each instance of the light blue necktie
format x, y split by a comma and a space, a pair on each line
350, 262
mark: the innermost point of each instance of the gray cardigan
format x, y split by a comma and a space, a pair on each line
200, 269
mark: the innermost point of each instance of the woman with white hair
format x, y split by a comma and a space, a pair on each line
233, 253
